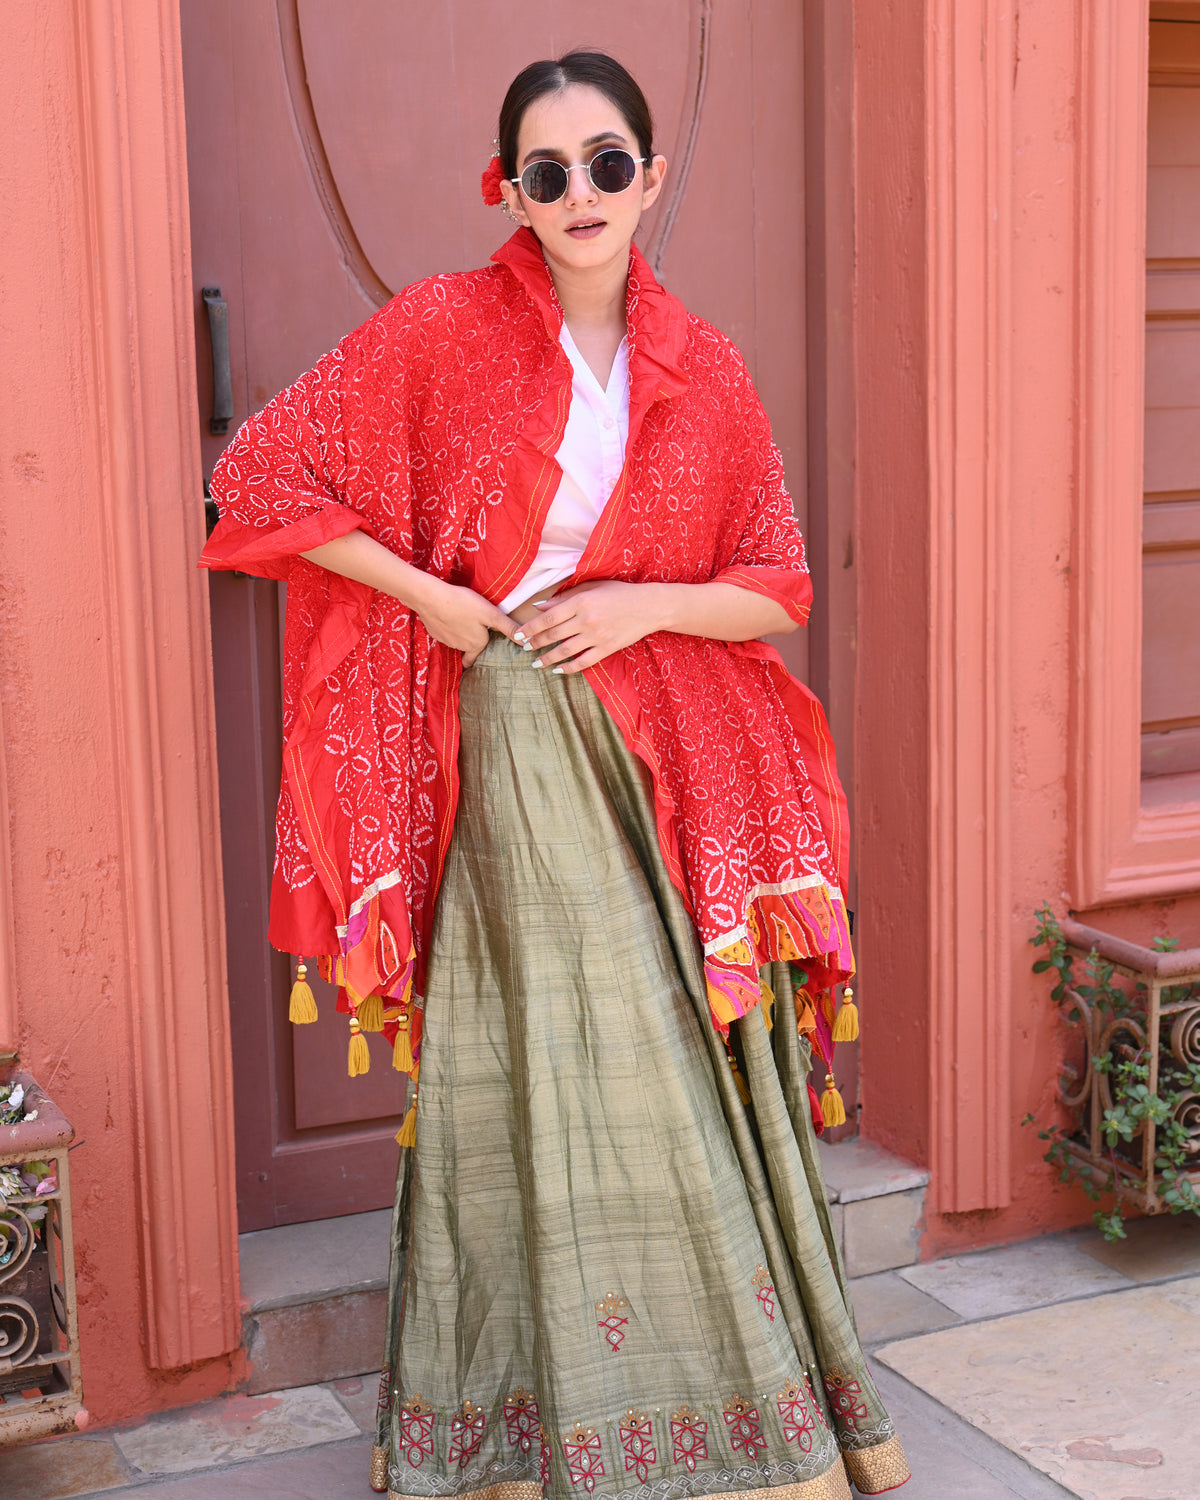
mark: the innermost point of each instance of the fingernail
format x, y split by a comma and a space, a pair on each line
558, 671
526, 646
535, 664
517, 636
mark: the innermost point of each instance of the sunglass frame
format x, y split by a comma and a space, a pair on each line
517, 181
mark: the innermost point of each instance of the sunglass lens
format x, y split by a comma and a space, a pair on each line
544, 181
613, 170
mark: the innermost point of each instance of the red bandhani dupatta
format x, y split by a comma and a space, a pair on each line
433, 427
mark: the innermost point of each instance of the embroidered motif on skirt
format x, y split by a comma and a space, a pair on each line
521, 1419
745, 1427
385, 1391
799, 1424
544, 1461
845, 1397
609, 1319
416, 1431
637, 1439
766, 1292
466, 1434
688, 1434
582, 1450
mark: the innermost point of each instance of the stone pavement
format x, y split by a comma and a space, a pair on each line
1062, 1366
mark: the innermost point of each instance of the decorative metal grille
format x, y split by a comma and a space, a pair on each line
40, 1390
1160, 1027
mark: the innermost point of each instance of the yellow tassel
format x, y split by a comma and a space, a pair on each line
402, 1058
360, 1054
768, 1003
845, 1027
742, 1087
833, 1111
407, 1134
370, 1013
302, 1005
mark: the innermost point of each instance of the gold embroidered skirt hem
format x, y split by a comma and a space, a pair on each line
832, 1485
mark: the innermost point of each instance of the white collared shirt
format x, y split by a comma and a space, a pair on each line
590, 455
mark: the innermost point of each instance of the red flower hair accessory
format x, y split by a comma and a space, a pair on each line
493, 176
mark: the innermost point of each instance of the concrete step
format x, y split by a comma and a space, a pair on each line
314, 1296
314, 1299
878, 1203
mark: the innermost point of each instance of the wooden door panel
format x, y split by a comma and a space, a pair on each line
426, 98
323, 1095
334, 155
1171, 511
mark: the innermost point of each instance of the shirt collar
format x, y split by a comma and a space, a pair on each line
657, 320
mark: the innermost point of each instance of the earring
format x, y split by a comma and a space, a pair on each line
506, 209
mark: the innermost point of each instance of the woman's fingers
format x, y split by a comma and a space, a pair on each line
497, 620
564, 643
547, 628
583, 660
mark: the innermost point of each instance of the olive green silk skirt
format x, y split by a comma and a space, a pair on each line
609, 1276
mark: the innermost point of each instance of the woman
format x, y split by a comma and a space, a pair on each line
556, 822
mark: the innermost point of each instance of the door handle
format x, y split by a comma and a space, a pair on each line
218, 337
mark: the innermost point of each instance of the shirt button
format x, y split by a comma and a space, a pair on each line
609, 422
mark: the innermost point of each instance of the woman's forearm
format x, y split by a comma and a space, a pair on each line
720, 611
359, 556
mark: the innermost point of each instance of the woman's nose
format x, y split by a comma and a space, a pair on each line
579, 184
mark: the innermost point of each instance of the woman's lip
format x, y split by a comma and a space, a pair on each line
585, 231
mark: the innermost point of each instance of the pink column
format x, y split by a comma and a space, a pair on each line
109, 754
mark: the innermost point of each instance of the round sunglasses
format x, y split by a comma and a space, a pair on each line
609, 171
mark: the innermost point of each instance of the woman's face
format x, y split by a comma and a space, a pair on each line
585, 228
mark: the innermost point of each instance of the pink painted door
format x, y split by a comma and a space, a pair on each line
1171, 526
334, 154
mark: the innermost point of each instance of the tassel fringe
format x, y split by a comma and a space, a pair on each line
743, 1087
302, 1004
407, 1134
833, 1110
360, 1054
845, 1026
370, 1013
402, 1057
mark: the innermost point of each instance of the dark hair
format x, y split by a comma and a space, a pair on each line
550, 76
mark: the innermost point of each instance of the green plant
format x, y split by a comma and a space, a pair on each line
1126, 1065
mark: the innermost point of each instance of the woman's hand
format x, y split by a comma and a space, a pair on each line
596, 619
591, 622
459, 617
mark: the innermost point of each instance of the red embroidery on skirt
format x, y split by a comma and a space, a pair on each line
544, 1463
816, 1405
637, 1440
745, 1428
688, 1433
582, 1450
466, 1434
610, 1322
799, 1425
521, 1419
845, 1398
416, 1431
766, 1292
385, 1390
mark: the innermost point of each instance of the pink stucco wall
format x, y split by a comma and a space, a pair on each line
904, 307
100, 608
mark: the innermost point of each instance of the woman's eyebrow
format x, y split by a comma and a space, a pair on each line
539, 153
